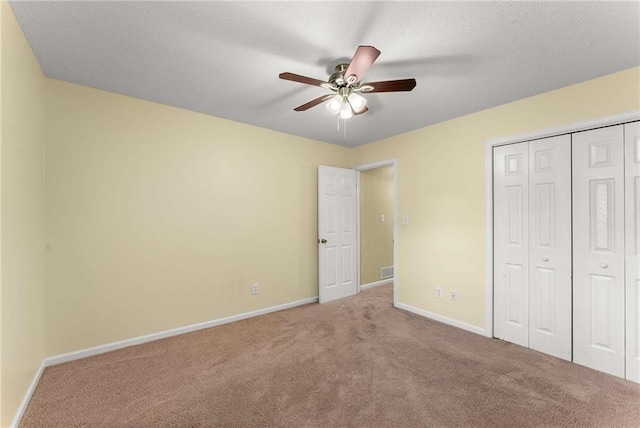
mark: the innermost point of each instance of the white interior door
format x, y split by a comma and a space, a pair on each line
511, 246
550, 246
337, 239
598, 250
632, 233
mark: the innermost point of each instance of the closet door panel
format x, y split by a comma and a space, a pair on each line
632, 241
598, 250
550, 246
511, 278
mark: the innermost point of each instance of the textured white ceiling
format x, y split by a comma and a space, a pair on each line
223, 58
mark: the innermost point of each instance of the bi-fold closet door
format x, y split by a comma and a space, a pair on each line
598, 252
587, 183
532, 244
606, 227
632, 249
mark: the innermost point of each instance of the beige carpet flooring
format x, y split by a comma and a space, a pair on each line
357, 362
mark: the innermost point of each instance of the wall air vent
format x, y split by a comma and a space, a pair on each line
386, 272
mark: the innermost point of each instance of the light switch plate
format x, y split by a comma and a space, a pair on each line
405, 219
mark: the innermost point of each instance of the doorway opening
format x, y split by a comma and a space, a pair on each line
377, 230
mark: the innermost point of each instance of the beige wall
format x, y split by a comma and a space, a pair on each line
152, 208
376, 237
22, 215
159, 217
441, 187
2, 18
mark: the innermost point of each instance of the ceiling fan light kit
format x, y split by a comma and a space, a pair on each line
345, 100
345, 111
357, 101
335, 104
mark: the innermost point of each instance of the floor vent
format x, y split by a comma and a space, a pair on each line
386, 272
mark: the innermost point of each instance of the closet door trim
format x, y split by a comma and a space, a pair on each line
616, 119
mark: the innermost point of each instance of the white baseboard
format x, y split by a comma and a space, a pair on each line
27, 396
377, 283
83, 353
443, 319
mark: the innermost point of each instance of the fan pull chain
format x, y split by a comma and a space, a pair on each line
344, 127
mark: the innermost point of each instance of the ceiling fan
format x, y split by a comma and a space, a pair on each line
345, 85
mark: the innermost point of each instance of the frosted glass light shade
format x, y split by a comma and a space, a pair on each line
335, 104
345, 111
357, 101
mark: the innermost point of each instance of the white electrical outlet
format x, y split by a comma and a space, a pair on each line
439, 292
255, 288
382, 218
454, 295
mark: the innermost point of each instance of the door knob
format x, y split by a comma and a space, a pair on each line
322, 241
604, 265
545, 259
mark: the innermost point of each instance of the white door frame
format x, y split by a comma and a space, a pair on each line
615, 119
393, 163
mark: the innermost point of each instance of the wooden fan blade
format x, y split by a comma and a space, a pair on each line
360, 63
314, 103
301, 79
391, 86
361, 111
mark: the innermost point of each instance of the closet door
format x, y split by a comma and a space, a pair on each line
511, 246
598, 250
550, 246
632, 233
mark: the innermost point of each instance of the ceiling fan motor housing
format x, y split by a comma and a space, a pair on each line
337, 78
